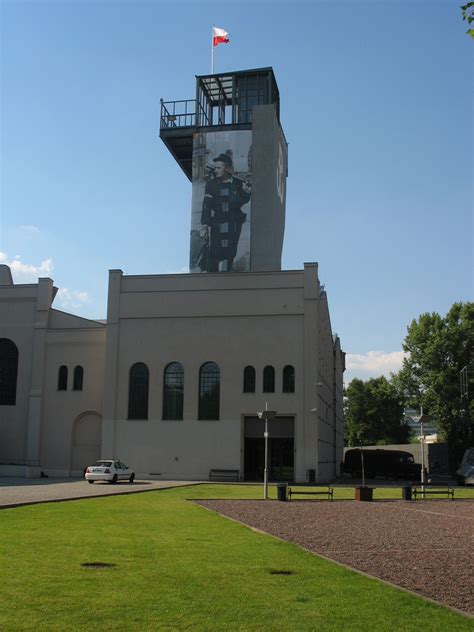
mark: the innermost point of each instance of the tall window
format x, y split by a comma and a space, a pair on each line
138, 391
62, 378
78, 378
8, 372
268, 379
173, 390
249, 379
289, 379
209, 391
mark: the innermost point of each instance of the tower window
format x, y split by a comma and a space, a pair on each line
209, 391
62, 378
249, 379
268, 379
173, 391
138, 391
78, 378
289, 379
8, 372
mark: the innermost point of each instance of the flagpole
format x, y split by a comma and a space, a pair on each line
212, 50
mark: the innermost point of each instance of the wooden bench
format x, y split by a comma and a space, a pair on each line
448, 491
224, 475
329, 492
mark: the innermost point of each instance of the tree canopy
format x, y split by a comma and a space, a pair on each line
374, 413
438, 349
467, 11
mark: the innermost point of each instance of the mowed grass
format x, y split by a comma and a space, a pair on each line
385, 493
179, 566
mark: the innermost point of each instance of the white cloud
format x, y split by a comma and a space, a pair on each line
374, 363
29, 229
72, 299
26, 272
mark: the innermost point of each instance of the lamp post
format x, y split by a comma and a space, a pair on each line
266, 415
362, 465
421, 419
422, 444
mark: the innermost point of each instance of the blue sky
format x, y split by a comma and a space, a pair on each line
376, 101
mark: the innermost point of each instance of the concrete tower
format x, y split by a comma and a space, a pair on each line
230, 144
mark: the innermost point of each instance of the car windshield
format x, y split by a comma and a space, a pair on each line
103, 463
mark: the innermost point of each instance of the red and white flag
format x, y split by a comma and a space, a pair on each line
219, 36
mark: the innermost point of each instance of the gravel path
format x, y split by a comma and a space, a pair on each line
426, 547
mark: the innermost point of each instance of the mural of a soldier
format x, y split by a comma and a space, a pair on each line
222, 213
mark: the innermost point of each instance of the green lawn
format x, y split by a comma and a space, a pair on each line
181, 567
388, 493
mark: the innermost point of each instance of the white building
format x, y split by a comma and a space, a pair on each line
172, 381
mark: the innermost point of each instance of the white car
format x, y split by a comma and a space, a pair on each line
111, 470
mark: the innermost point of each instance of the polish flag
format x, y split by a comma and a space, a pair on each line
219, 36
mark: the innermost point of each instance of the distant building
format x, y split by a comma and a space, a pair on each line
172, 381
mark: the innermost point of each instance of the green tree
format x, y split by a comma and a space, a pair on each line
467, 11
438, 348
374, 413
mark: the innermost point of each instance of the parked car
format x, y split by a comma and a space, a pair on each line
391, 463
111, 470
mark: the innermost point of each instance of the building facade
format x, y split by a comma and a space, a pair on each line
173, 380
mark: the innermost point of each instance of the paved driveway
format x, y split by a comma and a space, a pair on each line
27, 491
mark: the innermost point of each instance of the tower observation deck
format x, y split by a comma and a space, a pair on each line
224, 100
229, 142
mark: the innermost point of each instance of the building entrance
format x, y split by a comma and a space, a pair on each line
280, 449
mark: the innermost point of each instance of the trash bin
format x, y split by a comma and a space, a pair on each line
364, 493
406, 492
282, 491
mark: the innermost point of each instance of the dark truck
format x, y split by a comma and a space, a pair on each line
389, 463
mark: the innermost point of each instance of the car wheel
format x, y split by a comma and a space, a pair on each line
90, 482
132, 478
114, 479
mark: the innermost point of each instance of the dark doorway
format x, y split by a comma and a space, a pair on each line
280, 450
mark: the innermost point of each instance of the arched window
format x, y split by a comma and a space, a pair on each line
268, 379
62, 378
173, 390
8, 372
78, 378
289, 379
138, 391
209, 391
249, 379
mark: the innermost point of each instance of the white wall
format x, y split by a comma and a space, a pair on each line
233, 320
18, 311
70, 347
